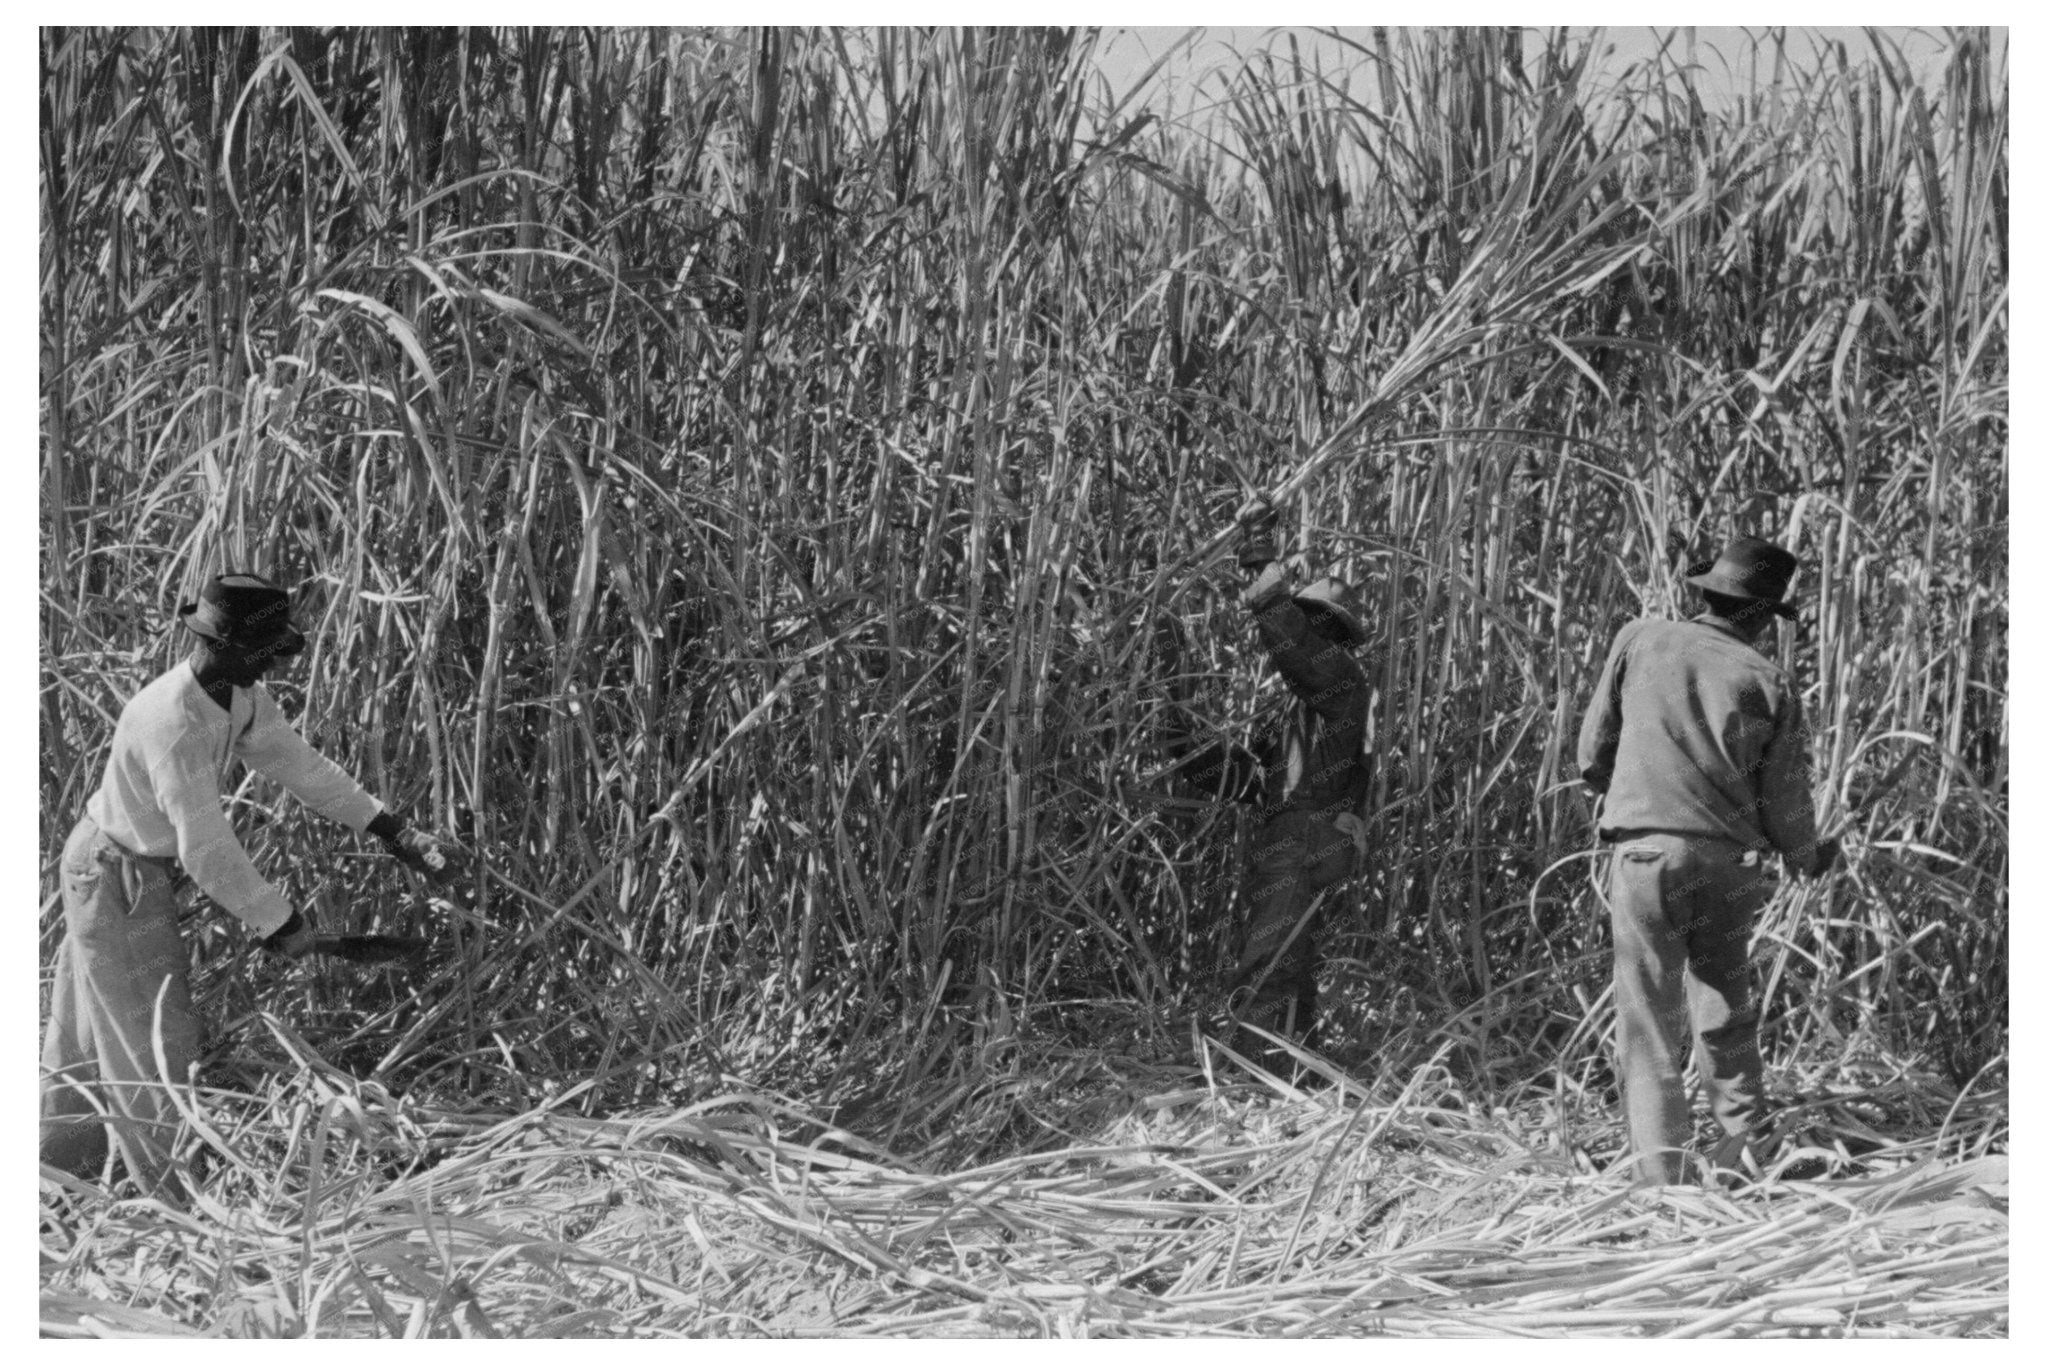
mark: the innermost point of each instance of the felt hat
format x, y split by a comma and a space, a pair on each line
1749, 570
245, 610
1331, 599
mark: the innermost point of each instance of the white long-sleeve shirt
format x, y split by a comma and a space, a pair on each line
161, 793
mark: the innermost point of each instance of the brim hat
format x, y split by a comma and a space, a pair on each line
245, 610
1749, 570
1331, 599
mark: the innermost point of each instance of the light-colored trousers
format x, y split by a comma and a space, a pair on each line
121, 997
1683, 910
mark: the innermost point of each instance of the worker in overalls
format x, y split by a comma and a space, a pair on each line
1311, 834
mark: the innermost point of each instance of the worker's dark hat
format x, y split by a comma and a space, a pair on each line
245, 610
1331, 599
1749, 570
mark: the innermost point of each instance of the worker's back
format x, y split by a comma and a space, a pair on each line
1692, 731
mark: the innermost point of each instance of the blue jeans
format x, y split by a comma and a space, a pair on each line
1683, 910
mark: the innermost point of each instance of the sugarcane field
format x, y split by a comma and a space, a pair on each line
792, 682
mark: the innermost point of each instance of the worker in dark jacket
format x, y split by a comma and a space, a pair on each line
1311, 837
1694, 740
121, 1004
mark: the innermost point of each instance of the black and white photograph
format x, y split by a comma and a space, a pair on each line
883, 681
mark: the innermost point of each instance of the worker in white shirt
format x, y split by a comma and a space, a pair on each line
121, 992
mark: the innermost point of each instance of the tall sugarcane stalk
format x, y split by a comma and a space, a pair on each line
727, 467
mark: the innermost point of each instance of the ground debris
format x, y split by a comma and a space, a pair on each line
1220, 1210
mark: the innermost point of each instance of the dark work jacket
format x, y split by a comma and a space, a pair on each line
1320, 762
1692, 731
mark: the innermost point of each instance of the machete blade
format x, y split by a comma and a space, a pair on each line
372, 948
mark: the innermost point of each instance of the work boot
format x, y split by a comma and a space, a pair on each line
1741, 1159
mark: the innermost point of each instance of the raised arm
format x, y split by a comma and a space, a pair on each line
1324, 675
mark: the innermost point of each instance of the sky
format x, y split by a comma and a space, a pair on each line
1128, 51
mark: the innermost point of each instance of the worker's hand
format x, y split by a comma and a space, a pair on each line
436, 859
293, 939
1258, 526
1257, 512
